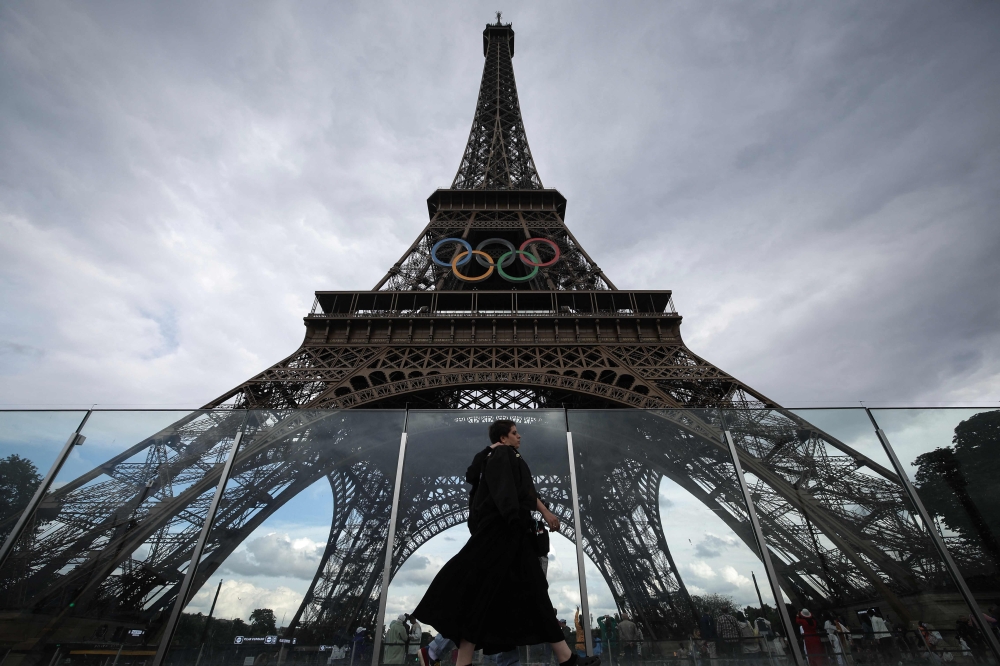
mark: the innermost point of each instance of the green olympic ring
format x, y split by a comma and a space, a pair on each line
523, 253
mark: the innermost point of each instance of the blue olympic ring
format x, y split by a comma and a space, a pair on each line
447, 264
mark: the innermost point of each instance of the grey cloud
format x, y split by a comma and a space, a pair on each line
274, 556
418, 569
712, 545
816, 182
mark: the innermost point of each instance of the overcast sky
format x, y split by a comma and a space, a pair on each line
819, 183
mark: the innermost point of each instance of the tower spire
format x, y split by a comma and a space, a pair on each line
501, 227
497, 156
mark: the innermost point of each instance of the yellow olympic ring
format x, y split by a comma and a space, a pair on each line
458, 257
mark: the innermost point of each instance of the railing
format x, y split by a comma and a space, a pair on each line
602, 303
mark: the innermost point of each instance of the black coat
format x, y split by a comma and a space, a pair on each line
493, 592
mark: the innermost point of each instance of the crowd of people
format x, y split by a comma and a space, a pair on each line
874, 638
829, 640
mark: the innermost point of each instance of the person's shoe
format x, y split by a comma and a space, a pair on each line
588, 661
425, 659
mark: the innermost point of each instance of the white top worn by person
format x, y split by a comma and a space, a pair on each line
416, 631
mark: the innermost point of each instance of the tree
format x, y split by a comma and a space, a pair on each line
262, 622
18, 480
713, 604
959, 483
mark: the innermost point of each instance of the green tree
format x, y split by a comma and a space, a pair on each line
959, 484
713, 604
262, 622
18, 480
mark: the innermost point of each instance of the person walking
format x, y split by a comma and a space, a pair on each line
750, 639
493, 594
728, 631
581, 640
568, 634
628, 634
395, 641
413, 644
834, 639
358, 645
809, 630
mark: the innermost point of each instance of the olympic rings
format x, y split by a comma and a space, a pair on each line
485, 260
434, 251
454, 267
510, 278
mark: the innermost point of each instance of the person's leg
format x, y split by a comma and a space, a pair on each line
561, 651
465, 650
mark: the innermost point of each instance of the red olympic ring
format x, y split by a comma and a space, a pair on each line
529, 262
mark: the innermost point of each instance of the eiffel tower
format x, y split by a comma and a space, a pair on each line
495, 305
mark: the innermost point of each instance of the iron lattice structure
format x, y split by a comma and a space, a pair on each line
116, 541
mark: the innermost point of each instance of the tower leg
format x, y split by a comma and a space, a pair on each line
344, 591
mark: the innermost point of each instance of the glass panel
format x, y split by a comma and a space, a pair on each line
297, 548
950, 455
666, 526
94, 580
846, 543
434, 503
29, 444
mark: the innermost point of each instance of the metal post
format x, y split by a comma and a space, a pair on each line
208, 621
75, 439
578, 528
765, 555
942, 549
380, 618
757, 587
199, 547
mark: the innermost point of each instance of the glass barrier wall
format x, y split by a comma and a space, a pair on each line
434, 507
292, 564
665, 522
94, 578
951, 456
862, 577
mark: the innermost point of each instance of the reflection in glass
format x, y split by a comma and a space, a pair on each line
297, 548
665, 522
96, 575
29, 444
847, 544
950, 455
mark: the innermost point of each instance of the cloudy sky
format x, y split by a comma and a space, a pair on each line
817, 182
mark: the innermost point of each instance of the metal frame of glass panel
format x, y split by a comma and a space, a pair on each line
76, 439
383, 596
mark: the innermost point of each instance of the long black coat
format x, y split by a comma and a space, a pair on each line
493, 592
